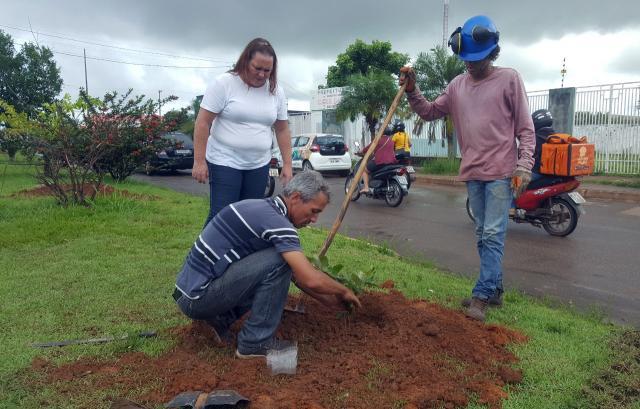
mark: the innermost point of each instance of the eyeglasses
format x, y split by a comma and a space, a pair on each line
479, 34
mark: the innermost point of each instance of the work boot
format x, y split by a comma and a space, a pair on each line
261, 351
477, 309
494, 301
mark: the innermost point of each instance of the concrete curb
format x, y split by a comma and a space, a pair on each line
587, 190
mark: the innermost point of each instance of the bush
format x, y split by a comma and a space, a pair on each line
441, 166
135, 132
81, 141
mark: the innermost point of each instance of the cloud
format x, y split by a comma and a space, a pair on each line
308, 35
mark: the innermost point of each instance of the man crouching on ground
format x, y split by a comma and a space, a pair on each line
243, 261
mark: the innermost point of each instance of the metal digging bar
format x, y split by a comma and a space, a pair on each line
148, 334
299, 308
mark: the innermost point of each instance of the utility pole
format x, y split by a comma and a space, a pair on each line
563, 71
159, 103
86, 83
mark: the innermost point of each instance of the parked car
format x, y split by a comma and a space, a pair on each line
321, 152
178, 156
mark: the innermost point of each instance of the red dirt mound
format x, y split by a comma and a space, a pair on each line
393, 353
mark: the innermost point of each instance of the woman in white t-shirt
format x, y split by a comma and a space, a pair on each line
233, 152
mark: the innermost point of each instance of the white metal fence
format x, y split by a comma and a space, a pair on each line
609, 116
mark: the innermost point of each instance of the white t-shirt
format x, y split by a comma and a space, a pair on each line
241, 135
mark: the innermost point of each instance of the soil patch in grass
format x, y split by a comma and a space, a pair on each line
393, 353
105, 190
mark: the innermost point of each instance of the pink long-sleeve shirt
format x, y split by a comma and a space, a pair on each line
488, 115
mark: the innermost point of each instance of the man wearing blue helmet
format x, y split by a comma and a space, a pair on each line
490, 111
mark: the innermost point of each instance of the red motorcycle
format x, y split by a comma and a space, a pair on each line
549, 202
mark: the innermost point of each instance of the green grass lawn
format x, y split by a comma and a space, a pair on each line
109, 270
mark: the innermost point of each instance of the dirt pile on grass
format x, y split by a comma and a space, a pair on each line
393, 353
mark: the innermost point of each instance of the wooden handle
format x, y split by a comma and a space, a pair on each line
358, 175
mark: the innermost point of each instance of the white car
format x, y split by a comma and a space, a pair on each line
321, 152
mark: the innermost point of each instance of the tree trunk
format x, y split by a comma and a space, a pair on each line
371, 122
452, 145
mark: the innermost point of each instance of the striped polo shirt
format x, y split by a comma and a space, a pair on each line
238, 230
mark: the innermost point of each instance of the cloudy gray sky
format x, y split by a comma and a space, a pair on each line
153, 41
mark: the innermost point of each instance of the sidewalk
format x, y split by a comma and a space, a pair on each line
587, 190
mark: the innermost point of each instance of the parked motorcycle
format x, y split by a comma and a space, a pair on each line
274, 172
389, 183
549, 202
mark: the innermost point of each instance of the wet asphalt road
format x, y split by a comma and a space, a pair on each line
596, 267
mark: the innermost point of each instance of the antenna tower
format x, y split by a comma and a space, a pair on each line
445, 23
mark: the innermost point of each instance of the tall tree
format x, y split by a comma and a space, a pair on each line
369, 95
366, 70
434, 71
28, 78
360, 58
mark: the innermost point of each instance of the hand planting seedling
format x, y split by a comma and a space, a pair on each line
355, 281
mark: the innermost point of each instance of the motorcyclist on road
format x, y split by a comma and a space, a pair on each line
542, 122
383, 155
401, 141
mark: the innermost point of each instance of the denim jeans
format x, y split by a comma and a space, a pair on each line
490, 201
228, 185
258, 283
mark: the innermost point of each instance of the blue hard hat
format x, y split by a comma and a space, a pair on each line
475, 40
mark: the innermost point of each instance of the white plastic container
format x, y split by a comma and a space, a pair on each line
284, 361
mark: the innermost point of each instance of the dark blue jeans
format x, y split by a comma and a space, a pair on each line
258, 283
228, 185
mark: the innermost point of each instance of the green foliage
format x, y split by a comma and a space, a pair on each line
434, 71
177, 118
357, 281
134, 131
370, 95
361, 58
441, 166
366, 70
80, 141
70, 149
28, 78
15, 129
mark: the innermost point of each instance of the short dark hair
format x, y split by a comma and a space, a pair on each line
494, 54
257, 45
